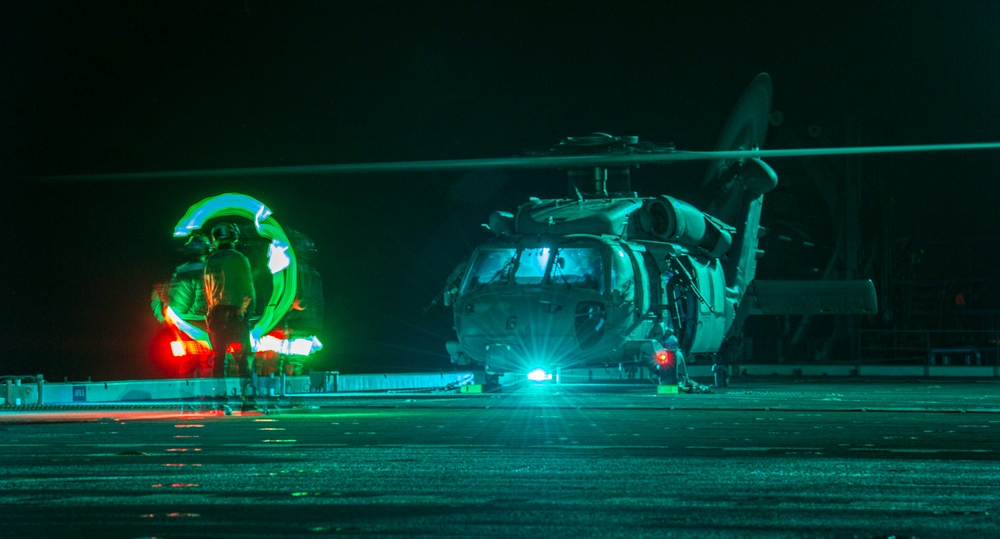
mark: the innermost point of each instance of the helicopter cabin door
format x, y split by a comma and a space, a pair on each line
708, 322
629, 297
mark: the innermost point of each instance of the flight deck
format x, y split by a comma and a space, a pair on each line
764, 457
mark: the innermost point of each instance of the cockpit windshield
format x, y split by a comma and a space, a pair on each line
532, 265
577, 266
491, 266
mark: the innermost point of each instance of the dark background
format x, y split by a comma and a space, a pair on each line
117, 87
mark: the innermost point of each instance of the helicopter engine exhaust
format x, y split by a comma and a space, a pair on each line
668, 219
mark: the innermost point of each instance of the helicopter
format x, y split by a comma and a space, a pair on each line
607, 277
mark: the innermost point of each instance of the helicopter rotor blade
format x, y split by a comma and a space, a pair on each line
746, 127
575, 161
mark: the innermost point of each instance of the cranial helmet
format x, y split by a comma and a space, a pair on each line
197, 245
225, 233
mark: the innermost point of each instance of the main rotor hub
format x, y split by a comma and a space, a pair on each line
602, 181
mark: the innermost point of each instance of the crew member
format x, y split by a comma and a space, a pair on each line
305, 319
184, 295
679, 367
229, 293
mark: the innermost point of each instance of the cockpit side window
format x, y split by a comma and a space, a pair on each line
490, 266
579, 267
622, 276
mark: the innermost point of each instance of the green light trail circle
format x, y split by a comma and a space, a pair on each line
281, 257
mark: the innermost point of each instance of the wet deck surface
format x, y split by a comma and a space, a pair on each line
762, 458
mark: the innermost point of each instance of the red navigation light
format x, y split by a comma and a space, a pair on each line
666, 357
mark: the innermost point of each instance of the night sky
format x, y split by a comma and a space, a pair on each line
116, 87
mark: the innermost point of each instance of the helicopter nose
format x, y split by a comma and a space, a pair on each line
512, 317
515, 331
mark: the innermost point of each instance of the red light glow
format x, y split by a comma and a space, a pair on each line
189, 348
280, 334
665, 357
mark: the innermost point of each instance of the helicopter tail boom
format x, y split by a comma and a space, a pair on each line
810, 297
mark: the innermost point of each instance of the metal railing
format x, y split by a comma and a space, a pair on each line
931, 347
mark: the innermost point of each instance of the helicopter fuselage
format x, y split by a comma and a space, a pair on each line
571, 283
